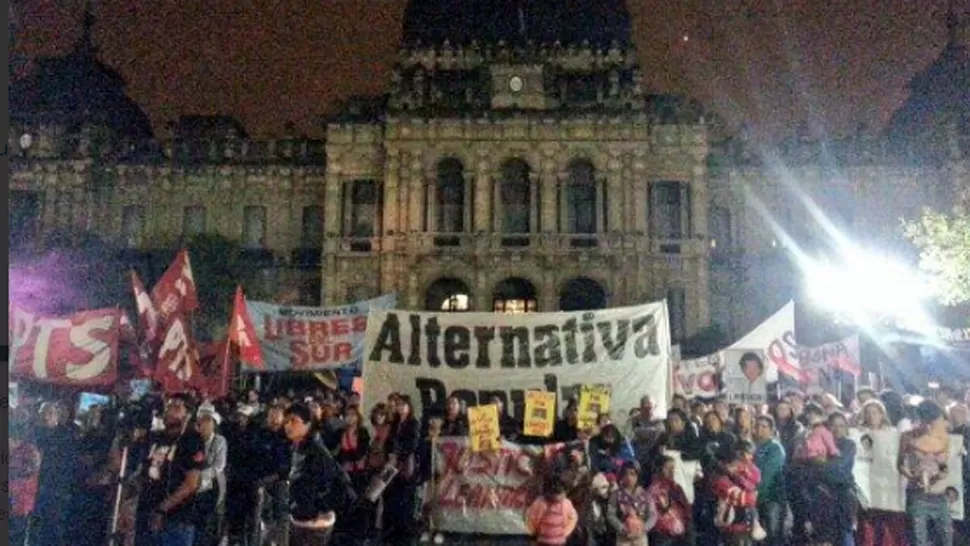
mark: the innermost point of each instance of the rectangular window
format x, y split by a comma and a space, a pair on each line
254, 227
360, 209
132, 225
677, 307
311, 235
581, 208
193, 221
669, 210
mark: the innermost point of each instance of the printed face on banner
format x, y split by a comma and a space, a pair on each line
78, 350
476, 356
540, 414
744, 377
312, 338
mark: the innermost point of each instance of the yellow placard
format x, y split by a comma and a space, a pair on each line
594, 400
483, 431
540, 414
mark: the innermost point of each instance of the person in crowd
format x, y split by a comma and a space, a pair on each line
769, 457
680, 435
90, 514
834, 515
878, 527
455, 423
551, 518
24, 468
698, 408
960, 426
241, 474
171, 479
806, 473
210, 497
426, 460
314, 476
594, 516
609, 451
57, 440
818, 445
715, 444
893, 402
789, 428
865, 394
509, 427
567, 429
743, 423
632, 513
400, 495
353, 448
272, 465
735, 490
923, 455
679, 401
795, 399
723, 410
673, 527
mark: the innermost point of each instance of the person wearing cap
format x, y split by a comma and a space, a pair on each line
241, 473
314, 482
171, 478
210, 498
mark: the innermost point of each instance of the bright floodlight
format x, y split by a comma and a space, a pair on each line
867, 288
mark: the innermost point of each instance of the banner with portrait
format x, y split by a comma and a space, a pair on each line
879, 483
744, 376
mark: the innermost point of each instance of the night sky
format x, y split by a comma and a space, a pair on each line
836, 64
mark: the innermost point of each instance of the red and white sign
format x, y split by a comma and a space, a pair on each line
148, 317
775, 339
697, 376
178, 359
485, 493
79, 350
175, 292
820, 363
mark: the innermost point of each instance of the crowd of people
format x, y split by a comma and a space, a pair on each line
312, 468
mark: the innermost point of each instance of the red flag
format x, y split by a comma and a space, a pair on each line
178, 358
148, 317
242, 334
138, 356
215, 362
175, 292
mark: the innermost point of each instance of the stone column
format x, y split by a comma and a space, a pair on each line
483, 197
549, 191
392, 203
698, 201
333, 203
416, 202
639, 195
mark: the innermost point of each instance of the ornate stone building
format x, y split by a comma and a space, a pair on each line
516, 164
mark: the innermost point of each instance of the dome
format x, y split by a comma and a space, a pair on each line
77, 87
599, 22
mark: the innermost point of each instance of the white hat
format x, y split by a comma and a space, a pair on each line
246, 409
208, 411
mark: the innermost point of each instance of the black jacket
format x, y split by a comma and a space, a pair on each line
315, 481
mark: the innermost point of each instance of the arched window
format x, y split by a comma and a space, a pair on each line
448, 294
515, 295
582, 294
579, 207
449, 203
514, 209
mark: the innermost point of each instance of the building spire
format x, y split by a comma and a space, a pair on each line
522, 20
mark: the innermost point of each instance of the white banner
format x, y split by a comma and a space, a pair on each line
825, 366
879, 483
697, 376
430, 356
774, 339
485, 493
299, 338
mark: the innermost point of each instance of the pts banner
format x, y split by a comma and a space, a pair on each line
78, 350
477, 355
295, 338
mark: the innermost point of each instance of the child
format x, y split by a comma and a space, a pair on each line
818, 445
595, 521
736, 489
552, 517
673, 510
632, 514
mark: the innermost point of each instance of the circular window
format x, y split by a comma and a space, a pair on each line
515, 84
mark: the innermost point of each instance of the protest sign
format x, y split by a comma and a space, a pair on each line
540, 414
485, 493
594, 400
77, 350
476, 356
878, 481
774, 339
744, 377
483, 431
697, 376
295, 338
825, 366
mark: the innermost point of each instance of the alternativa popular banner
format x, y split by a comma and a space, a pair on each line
312, 338
78, 350
485, 493
477, 355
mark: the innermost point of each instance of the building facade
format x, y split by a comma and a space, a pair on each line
513, 166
